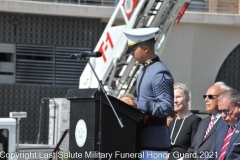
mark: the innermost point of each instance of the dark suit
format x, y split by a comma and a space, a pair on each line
200, 145
233, 150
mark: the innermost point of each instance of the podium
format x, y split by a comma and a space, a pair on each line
89, 117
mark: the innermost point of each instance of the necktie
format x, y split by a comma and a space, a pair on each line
209, 127
225, 143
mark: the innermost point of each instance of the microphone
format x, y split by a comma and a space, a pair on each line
86, 54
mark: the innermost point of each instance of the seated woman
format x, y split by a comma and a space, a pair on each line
184, 127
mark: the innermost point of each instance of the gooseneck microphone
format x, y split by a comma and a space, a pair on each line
86, 54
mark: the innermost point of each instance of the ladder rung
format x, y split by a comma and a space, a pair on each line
154, 9
151, 14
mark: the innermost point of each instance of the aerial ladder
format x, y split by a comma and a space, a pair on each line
117, 69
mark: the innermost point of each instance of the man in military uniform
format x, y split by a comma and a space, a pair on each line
154, 94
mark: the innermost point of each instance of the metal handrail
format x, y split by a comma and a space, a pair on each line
195, 5
82, 2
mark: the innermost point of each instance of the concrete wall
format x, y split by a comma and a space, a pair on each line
194, 52
57, 9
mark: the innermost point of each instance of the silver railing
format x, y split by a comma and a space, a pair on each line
83, 2
212, 6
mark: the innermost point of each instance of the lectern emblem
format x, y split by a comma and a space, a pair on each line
81, 133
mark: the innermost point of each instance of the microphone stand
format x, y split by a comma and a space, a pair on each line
100, 112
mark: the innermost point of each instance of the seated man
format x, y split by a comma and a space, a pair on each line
207, 128
226, 145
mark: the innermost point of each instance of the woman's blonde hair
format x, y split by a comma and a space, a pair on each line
184, 89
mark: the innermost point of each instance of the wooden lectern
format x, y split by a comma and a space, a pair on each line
91, 114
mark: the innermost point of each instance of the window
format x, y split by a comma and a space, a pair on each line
4, 135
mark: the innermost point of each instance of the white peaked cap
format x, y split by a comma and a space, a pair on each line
138, 35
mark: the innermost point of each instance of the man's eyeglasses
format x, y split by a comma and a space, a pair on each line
225, 111
210, 96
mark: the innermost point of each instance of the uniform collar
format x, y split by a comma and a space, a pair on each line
151, 61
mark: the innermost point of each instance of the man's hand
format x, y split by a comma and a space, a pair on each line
129, 101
